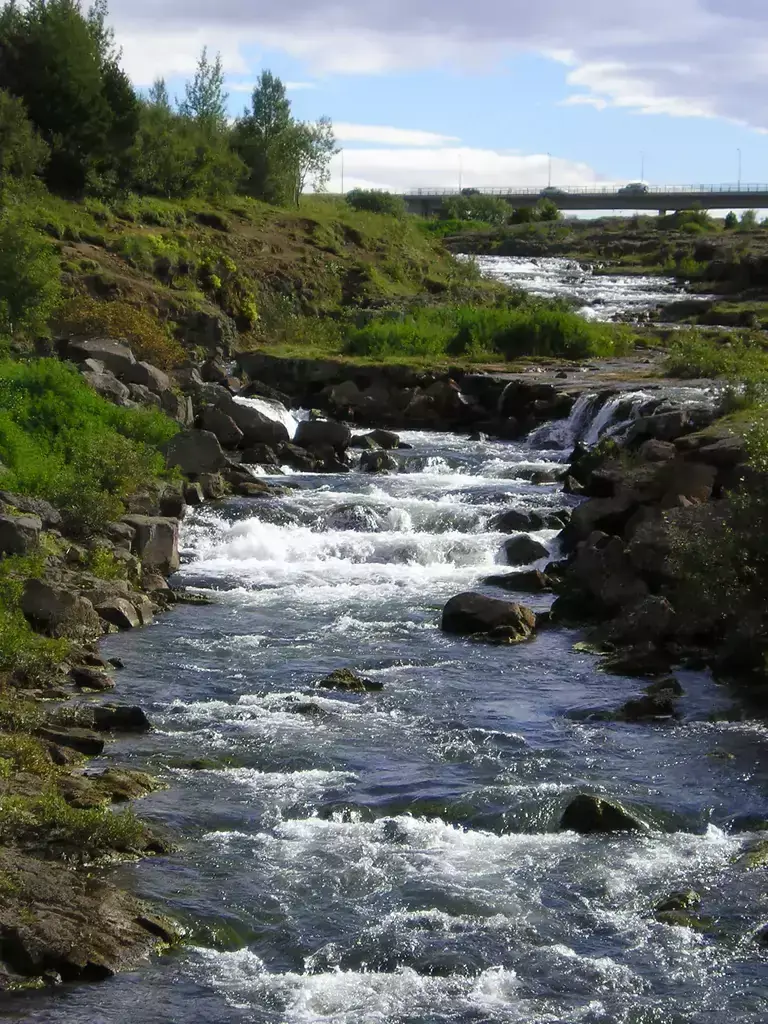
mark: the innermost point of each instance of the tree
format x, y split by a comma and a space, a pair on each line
262, 139
315, 146
731, 221
158, 96
374, 201
22, 152
205, 100
30, 287
748, 220
64, 66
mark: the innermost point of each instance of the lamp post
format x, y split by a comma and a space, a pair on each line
549, 172
739, 178
461, 170
642, 167
342, 171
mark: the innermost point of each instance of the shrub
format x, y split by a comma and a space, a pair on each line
61, 441
374, 201
21, 649
150, 339
737, 357
30, 287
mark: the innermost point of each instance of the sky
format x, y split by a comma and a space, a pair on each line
437, 93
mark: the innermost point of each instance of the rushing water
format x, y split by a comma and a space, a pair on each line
395, 858
599, 297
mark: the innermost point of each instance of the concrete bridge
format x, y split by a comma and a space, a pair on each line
426, 201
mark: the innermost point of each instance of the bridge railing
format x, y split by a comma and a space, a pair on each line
591, 190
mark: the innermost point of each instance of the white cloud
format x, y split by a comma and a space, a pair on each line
704, 58
399, 170
388, 136
300, 86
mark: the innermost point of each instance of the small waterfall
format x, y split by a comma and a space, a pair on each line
273, 410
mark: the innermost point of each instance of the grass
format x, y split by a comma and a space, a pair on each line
527, 327
61, 441
735, 357
21, 753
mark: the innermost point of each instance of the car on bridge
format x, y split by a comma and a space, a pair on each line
634, 188
552, 192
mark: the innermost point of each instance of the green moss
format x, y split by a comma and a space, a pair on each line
755, 856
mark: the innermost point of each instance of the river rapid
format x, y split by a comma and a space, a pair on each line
395, 857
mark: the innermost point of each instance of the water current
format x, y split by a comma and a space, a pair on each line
395, 857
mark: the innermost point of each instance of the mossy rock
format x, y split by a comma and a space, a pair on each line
681, 919
754, 856
345, 679
685, 899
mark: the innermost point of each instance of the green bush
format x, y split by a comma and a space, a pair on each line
373, 201
93, 830
30, 287
737, 357
61, 441
21, 649
525, 327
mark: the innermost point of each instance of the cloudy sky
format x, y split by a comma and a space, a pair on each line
430, 92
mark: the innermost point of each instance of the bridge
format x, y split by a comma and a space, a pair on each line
426, 201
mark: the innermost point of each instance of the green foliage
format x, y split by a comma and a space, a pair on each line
103, 564
731, 221
692, 221
748, 220
374, 201
527, 327
63, 65
30, 286
92, 831
475, 206
25, 754
205, 100
61, 441
22, 152
21, 649
737, 357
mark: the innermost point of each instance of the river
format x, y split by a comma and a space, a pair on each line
395, 858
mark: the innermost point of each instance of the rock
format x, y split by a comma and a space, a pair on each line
178, 407
85, 741
147, 376
195, 452
312, 433
143, 396
122, 784
118, 611
344, 679
665, 426
43, 510
18, 534
144, 608
650, 620
295, 457
686, 899
606, 515
472, 614
531, 581
754, 855
213, 486
222, 425
115, 355
681, 919
603, 570
378, 462
516, 521
588, 814
121, 535
193, 494
643, 660
522, 550
385, 439
725, 453
108, 386
648, 708
59, 612
91, 678
260, 455
255, 426
172, 504
156, 541
657, 451
118, 718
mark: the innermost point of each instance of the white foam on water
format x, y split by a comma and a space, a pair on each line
272, 410
278, 789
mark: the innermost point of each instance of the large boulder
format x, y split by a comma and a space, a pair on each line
516, 520
108, 386
527, 581
116, 356
18, 534
178, 407
587, 814
148, 376
255, 426
378, 462
155, 542
195, 452
603, 569
522, 550
473, 614
118, 611
651, 619
317, 433
59, 612
38, 507
222, 425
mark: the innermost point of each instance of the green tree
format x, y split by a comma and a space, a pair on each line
748, 220
64, 66
731, 221
373, 201
158, 96
22, 152
546, 210
205, 100
315, 146
30, 287
265, 140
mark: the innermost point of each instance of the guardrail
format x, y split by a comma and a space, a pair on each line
590, 190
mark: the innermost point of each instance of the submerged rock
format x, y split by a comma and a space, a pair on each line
477, 615
345, 679
516, 520
378, 462
588, 814
523, 549
685, 899
532, 581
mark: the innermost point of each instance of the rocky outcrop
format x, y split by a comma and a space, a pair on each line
378, 462
315, 434
345, 679
474, 614
18, 534
59, 612
116, 356
195, 452
155, 541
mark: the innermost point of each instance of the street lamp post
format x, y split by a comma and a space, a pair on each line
342, 172
549, 172
642, 167
739, 178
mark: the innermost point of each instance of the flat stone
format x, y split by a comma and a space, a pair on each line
118, 611
83, 740
147, 376
115, 355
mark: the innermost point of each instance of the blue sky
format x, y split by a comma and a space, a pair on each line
492, 87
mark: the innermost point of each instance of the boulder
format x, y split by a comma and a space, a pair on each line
255, 426
88, 678
657, 451
725, 453
531, 581
316, 433
59, 612
522, 550
18, 534
213, 486
108, 386
44, 511
118, 611
473, 614
603, 570
378, 462
172, 504
193, 494
648, 708
588, 814
85, 741
345, 679
115, 355
143, 396
118, 718
516, 521
147, 376
651, 619
156, 541
222, 425
260, 455
178, 407
295, 457
385, 439
607, 515
195, 452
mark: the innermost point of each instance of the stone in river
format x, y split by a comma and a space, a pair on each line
477, 615
345, 679
522, 550
588, 814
